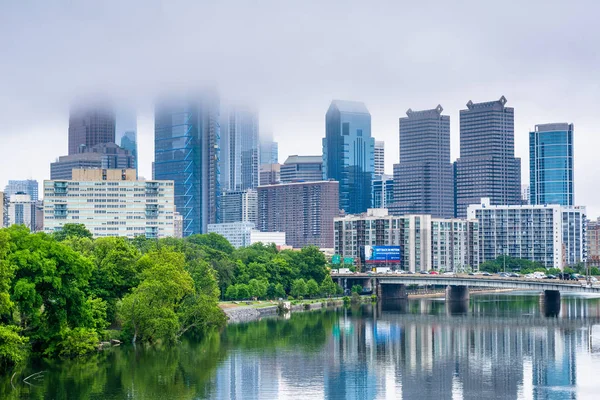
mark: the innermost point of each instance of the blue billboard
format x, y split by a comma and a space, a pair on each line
382, 254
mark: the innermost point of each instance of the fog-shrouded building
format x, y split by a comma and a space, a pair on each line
551, 164
379, 158
423, 177
91, 123
239, 206
126, 132
27, 186
425, 243
302, 168
269, 149
348, 153
553, 235
382, 192
239, 149
487, 166
243, 234
102, 156
110, 203
303, 210
186, 151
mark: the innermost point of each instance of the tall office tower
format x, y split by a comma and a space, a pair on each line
303, 210
269, 150
302, 168
487, 166
104, 155
126, 132
239, 149
270, 174
382, 192
239, 206
22, 211
91, 124
379, 158
348, 153
423, 178
551, 164
186, 151
27, 186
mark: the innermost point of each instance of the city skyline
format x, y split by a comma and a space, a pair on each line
293, 84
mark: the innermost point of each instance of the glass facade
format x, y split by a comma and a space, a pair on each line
28, 186
186, 151
239, 150
348, 153
551, 164
91, 125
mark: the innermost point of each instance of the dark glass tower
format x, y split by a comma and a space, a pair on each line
90, 125
186, 150
551, 164
487, 166
423, 178
348, 153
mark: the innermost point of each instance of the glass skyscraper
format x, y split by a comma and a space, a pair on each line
348, 153
186, 150
27, 186
239, 149
551, 164
423, 178
487, 166
91, 124
126, 133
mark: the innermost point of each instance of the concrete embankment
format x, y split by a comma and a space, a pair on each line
249, 313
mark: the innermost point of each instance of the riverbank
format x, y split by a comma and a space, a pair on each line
237, 313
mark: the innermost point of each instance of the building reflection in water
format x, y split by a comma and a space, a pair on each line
498, 347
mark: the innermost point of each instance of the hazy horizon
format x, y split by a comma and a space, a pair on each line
290, 61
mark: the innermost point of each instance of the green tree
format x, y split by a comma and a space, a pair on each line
328, 287
232, 293
594, 271
357, 289
243, 292
149, 312
312, 288
258, 288
276, 291
72, 230
212, 240
298, 288
13, 347
312, 263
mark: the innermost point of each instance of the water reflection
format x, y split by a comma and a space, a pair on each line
495, 347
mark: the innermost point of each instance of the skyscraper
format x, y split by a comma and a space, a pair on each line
27, 186
487, 166
551, 164
302, 168
348, 153
239, 149
239, 206
126, 133
423, 178
186, 151
104, 155
379, 158
269, 149
91, 124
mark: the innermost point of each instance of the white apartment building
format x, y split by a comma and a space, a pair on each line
425, 243
242, 234
21, 210
551, 234
110, 202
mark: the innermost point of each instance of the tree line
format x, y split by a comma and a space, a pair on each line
62, 294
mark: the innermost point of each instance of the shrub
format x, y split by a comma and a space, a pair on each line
355, 298
77, 342
13, 348
290, 298
346, 300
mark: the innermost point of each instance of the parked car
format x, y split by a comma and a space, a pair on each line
433, 273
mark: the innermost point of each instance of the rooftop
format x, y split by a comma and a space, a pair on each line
296, 159
347, 106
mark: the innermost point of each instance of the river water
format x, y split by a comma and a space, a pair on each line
502, 346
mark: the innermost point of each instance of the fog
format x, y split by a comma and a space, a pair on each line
290, 59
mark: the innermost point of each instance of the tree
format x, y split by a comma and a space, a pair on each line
72, 230
243, 292
275, 291
312, 262
149, 312
258, 288
12, 346
231, 293
312, 288
298, 288
357, 289
212, 240
328, 287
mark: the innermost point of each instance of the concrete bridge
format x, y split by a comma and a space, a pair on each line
393, 286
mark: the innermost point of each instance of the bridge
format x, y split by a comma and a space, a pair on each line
393, 286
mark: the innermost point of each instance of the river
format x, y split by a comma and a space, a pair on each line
501, 346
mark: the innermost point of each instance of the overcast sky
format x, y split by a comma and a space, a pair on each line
292, 60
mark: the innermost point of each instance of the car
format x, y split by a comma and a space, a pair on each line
448, 273
472, 273
514, 275
503, 274
423, 272
433, 273
410, 272
486, 274
550, 276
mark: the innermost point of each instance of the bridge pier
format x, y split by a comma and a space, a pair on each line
550, 302
391, 292
457, 293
